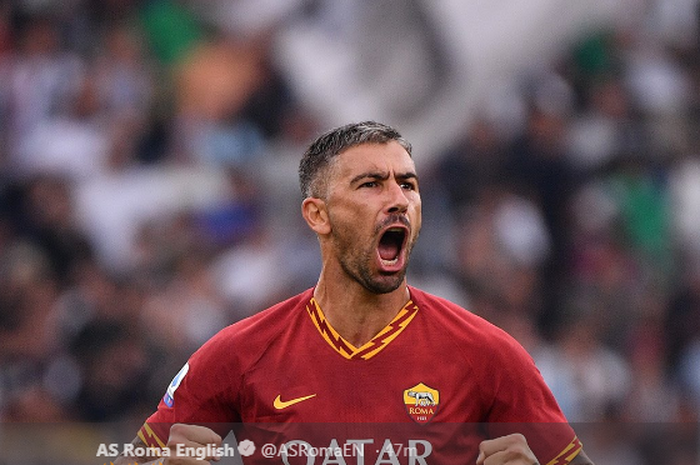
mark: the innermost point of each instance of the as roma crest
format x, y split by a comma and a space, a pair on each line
421, 402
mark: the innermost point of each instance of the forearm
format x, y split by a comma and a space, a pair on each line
194, 437
132, 460
121, 460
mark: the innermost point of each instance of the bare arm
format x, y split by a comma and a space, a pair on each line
514, 450
138, 444
192, 437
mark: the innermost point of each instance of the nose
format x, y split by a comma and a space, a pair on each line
398, 201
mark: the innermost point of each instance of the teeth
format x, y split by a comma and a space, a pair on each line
390, 262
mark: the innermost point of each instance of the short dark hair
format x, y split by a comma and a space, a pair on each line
320, 153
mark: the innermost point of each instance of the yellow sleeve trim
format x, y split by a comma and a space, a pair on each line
149, 437
568, 454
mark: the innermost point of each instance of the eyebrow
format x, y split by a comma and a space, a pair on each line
383, 176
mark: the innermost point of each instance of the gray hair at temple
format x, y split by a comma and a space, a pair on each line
321, 152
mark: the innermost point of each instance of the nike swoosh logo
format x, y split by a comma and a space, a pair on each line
280, 405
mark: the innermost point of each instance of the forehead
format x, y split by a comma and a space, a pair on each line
388, 157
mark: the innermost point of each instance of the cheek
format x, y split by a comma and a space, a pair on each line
353, 216
351, 233
417, 217
343, 226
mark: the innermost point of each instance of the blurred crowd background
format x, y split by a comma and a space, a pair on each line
149, 197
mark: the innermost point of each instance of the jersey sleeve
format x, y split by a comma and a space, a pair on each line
204, 391
523, 403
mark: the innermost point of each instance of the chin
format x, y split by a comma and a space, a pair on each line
385, 286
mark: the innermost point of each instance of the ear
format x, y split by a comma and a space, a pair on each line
315, 213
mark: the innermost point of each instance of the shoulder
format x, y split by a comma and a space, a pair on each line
469, 334
457, 320
272, 319
246, 339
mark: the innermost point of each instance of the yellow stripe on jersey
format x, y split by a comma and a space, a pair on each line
568, 454
149, 437
369, 349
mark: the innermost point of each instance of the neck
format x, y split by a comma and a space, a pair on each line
356, 313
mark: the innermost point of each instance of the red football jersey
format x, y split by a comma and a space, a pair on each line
435, 370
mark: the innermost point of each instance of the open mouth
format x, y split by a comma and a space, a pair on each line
391, 244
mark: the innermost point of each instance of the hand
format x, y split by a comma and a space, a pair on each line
506, 450
193, 441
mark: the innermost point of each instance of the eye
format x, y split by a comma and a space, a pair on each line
409, 186
369, 184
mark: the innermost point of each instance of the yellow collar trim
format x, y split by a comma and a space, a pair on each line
369, 349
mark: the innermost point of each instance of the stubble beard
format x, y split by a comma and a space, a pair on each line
382, 284
357, 263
